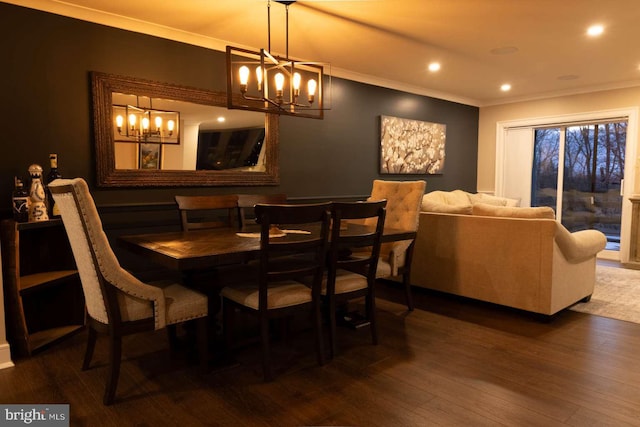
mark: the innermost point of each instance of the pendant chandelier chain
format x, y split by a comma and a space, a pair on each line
286, 46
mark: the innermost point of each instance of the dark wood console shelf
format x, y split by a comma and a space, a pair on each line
43, 293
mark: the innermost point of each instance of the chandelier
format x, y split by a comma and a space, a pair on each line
275, 84
134, 123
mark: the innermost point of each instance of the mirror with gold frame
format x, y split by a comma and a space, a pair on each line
163, 155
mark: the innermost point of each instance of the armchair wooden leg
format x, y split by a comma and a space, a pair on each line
91, 345
115, 356
406, 275
172, 333
407, 290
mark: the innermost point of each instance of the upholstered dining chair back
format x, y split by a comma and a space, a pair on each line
403, 212
205, 212
97, 263
118, 303
403, 202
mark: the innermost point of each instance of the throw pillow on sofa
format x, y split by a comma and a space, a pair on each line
493, 200
456, 201
538, 212
436, 207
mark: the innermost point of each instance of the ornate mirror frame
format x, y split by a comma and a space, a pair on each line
104, 85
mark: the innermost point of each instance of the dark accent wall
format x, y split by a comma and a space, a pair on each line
46, 107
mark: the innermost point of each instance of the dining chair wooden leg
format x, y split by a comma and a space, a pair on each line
318, 331
115, 357
202, 338
266, 350
91, 345
228, 312
370, 302
332, 328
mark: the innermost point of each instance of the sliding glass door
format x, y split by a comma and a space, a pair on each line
579, 171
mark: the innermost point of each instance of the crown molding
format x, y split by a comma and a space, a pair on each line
139, 26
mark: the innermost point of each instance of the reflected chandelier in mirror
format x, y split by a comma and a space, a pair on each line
153, 134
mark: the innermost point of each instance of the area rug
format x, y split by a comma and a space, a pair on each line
616, 294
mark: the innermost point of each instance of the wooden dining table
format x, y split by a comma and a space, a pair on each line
194, 252
199, 250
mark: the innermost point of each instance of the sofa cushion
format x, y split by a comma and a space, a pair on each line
455, 197
493, 200
488, 199
456, 201
538, 212
512, 203
430, 206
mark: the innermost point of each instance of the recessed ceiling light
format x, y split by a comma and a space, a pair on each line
434, 66
505, 87
221, 119
595, 30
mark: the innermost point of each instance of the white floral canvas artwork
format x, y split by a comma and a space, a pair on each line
411, 146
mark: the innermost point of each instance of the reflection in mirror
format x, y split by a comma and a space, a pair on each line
156, 134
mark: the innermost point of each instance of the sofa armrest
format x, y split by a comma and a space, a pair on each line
579, 245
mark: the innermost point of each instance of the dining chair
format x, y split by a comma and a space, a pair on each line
403, 209
278, 288
117, 303
205, 212
247, 202
353, 275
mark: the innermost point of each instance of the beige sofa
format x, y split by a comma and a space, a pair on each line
487, 248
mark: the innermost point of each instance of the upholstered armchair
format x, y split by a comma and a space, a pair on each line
403, 207
119, 304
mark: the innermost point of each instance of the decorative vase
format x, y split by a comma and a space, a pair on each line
37, 197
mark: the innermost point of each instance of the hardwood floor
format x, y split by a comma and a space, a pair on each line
450, 362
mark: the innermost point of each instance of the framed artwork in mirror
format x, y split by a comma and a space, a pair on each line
411, 146
149, 156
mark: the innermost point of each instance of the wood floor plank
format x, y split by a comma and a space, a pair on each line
450, 362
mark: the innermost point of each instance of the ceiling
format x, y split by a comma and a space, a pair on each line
540, 47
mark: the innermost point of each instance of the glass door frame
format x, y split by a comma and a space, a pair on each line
631, 114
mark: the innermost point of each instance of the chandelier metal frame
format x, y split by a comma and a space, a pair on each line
262, 93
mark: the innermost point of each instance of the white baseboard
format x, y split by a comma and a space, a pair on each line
5, 356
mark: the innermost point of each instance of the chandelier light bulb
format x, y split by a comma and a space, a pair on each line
259, 77
132, 120
311, 89
279, 86
296, 84
158, 123
244, 78
145, 123
119, 122
170, 126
